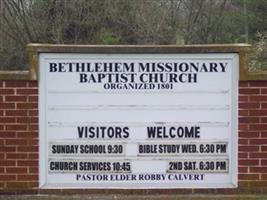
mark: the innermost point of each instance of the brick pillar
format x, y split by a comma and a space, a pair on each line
18, 135
253, 134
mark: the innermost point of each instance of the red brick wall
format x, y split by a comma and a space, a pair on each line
19, 142
253, 135
18, 135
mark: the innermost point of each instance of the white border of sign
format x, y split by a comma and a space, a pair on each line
43, 139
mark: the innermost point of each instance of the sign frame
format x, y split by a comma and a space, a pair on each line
35, 50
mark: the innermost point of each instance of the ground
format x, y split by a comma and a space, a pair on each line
133, 197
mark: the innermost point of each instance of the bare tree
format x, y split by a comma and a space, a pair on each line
120, 22
204, 20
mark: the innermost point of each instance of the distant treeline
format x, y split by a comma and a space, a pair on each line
129, 22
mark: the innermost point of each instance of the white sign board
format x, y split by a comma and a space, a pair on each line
138, 120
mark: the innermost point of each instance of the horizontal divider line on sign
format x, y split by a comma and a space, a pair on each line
165, 158
138, 91
137, 107
137, 141
156, 157
138, 124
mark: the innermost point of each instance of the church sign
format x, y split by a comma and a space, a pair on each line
137, 117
